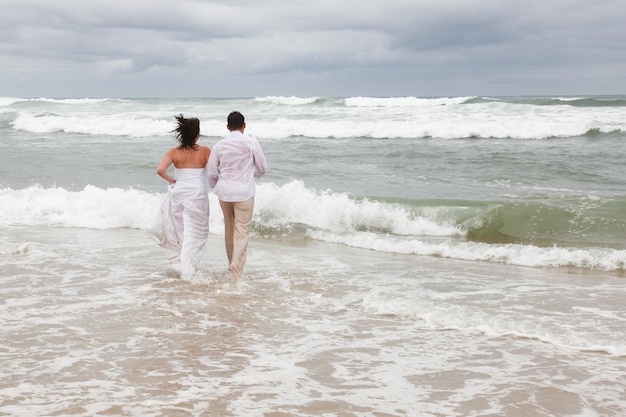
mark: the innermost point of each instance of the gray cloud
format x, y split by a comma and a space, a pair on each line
295, 47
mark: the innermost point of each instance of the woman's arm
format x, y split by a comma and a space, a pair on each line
212, 168
164, 165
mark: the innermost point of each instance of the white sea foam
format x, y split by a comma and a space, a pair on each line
93, 207
330, 217
557, 327
276, 206
15, 250
403, 101
339, 212
110, 125
7, 101
292, 101
604, 259
447, 126
360, 117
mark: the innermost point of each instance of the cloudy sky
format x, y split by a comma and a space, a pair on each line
247, 48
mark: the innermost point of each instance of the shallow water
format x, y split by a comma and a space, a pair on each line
410, 256
93, 323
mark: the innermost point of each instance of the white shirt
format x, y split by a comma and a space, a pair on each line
234, 163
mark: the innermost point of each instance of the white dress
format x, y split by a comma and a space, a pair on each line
181, 225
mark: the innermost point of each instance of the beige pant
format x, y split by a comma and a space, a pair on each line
237, 220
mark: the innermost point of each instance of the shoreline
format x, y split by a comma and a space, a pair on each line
93, 323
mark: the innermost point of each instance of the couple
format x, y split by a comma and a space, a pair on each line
182, 223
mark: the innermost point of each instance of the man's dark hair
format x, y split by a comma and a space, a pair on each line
235, 120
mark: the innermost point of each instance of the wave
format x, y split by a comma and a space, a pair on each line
603, 259
440, 314
404, 101
458, 230
144, 127
283, 206
8, 101
92, 207
359, 101
291, 101
595, 101
278, 118
107, 125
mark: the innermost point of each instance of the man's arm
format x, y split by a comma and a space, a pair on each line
259, 161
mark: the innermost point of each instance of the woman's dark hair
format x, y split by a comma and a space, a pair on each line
187, 131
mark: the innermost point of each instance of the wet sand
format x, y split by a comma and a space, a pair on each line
93, 323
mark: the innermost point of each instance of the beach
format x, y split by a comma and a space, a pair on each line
113, 335
466, 259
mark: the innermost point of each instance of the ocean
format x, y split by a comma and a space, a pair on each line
458, 256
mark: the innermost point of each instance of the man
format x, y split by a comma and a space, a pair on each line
234, 163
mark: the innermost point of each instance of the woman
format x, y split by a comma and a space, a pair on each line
182, 222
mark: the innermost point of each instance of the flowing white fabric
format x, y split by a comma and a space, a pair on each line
181, 225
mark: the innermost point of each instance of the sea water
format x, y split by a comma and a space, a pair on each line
409, 256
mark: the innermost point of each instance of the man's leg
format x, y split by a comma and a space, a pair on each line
229, 226
243, 219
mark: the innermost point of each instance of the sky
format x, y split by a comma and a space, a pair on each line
311, 48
